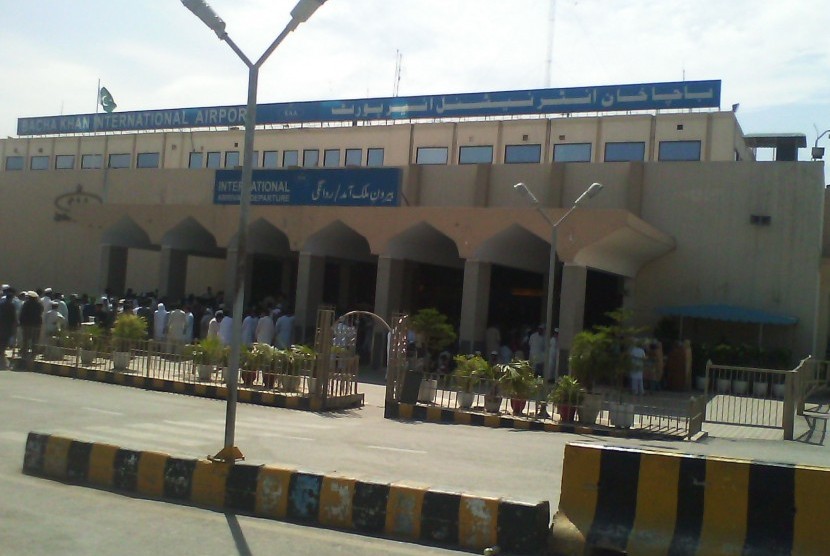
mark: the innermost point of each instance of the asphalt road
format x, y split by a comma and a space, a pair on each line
38, 516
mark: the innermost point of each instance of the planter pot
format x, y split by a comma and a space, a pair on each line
591, 406
724, 385
778, 390
268, 380
248, 377
466, 399
567, 413
408, 392
492, 404
88, 356
621, 415
121, 360
204, 371
53, 353
517, 405
760, 389
290, 383
740, 387
700, 383
428, 391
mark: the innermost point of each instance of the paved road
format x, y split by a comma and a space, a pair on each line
520, 465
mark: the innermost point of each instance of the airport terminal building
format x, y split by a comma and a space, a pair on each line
396, 204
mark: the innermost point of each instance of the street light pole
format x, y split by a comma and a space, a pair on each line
301, 12
818, 152
589, 193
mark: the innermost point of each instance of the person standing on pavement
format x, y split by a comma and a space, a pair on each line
284, 329
74, 316
53, 322
265, 328
31, 319
8, 323
536, 350
159, 323
638, 360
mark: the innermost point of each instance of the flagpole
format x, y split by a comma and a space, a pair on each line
98, 96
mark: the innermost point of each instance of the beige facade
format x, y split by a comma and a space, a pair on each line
675, 233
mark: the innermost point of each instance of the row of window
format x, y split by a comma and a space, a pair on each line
563, 152
483, 154
270, 159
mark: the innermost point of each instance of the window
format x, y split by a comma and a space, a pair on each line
14, 163
475, 155
374, 157
92, 161
119, 160
572, 152
197, 160
625, 152
64, 162
311, 158
40, 162
290, 158
354, 157
679, 150
231, 159
147, 160
522, 154
331, 158
269, 159
214, 160
431, 155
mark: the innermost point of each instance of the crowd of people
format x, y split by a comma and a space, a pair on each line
32, 317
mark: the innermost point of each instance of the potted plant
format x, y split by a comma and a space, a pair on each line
517, 381
88, 340
53, 351
468, 372
253, 359
591, 362
491, 376
568, 395
433, 331
206, 354
127, 330
301, 361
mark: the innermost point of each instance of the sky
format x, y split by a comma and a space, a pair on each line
773, 57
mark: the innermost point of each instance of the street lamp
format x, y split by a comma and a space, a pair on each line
589, 193
818, 152
301, 12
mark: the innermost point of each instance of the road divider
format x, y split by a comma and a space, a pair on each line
399, 511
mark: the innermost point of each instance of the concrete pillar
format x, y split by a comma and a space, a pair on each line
113, 270
571, 309
390, 275
310, 275
172, 272
475, 305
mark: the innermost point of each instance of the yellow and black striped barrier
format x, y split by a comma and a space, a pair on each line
630, 501
390, 510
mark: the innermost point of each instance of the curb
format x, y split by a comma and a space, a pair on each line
433, 414
395, 511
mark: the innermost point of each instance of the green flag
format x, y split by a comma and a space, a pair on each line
107, 103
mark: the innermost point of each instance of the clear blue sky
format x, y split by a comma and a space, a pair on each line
773, 57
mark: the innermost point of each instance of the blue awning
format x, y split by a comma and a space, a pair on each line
728, 313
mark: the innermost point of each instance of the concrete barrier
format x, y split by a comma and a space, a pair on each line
629, 501
399, 511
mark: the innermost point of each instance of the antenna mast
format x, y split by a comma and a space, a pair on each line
398, 66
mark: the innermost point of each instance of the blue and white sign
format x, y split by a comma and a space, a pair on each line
645, 96
349, 187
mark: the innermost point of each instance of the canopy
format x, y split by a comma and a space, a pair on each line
729, 313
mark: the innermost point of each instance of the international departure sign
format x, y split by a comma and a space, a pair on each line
606, 98
351, 187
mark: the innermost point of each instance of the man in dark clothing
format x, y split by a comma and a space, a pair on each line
8, 324
31, 318
75, 316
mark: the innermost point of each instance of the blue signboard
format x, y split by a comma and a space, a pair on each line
607, 98
349, 187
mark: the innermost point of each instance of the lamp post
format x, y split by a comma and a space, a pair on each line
301, 12
818, 152
589, 193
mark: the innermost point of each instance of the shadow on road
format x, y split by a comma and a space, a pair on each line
238, 536
817, 431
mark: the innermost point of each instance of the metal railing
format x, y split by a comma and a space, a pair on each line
750, 396
166, 361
